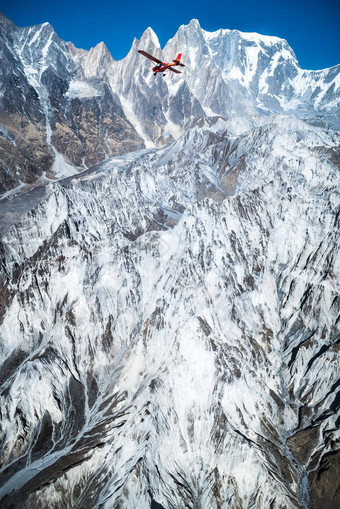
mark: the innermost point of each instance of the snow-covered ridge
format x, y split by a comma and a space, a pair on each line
171, 318
61, 120
252, 72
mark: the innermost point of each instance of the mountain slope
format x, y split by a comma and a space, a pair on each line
171, 317
55, 123
63, 109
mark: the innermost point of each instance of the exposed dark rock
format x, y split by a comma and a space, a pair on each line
325, 484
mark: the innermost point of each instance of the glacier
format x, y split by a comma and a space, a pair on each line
169, 317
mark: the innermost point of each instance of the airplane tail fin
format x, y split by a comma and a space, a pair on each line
178, 60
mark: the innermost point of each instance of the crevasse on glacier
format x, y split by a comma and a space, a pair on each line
170, 322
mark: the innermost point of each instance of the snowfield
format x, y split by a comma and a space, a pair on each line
177, 342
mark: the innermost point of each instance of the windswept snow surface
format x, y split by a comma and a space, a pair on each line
170, 330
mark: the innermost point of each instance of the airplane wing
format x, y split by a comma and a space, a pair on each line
150, 57
174, 70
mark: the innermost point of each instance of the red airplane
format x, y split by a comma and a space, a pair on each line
163, 66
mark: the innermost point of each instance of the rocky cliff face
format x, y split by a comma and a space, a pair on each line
170, 327
53, 122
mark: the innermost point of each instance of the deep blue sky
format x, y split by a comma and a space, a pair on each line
312, 27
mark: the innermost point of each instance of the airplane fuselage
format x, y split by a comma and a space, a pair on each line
163, 67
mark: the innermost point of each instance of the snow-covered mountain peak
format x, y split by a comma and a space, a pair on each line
76, 53
38, 34
98, 61
236, 73
44, 26
188, 32
40, 47
101, 48
230, 48
194, 23
6, 24
227, 73
192, 26
149, 39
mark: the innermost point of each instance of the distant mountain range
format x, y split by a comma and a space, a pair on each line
63, 109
